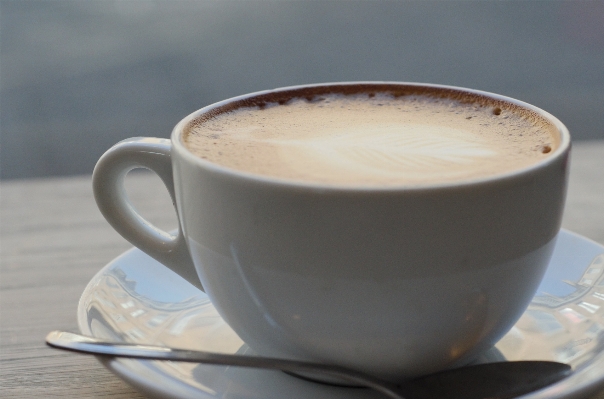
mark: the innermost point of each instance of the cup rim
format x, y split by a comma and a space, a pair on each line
178, 145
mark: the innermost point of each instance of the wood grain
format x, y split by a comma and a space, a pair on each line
53, 240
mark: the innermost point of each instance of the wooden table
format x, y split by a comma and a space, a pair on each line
53, 240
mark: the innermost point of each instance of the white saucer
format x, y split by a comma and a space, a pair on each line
136, 299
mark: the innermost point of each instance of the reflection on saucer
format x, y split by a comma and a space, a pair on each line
572, 324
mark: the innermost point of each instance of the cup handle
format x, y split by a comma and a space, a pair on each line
110, 195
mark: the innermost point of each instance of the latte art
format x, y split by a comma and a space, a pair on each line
387, 149
372, 140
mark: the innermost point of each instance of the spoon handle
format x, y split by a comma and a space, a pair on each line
85, 344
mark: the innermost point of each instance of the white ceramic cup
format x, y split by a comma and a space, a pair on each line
394, 281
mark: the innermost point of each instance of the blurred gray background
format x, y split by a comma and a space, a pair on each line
78, 76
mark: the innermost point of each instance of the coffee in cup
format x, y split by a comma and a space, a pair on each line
394, 228
364, 139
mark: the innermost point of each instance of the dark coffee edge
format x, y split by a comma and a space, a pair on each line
314, 93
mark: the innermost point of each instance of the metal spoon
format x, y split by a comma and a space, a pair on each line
491, 380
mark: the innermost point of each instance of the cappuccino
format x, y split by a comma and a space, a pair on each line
373, 139
315, 216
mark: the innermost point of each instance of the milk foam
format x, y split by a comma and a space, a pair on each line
372, 140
